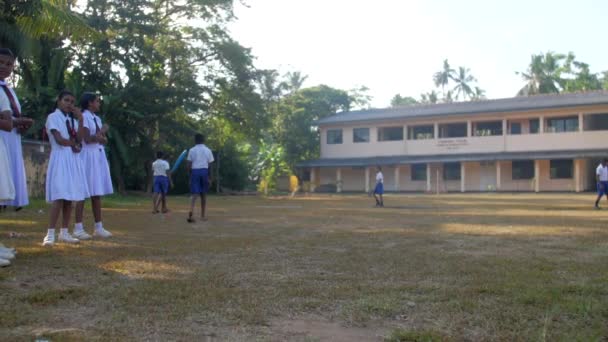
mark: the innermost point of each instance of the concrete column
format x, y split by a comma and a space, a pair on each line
367, 179
581, 122
577, 175
498, 171
504, 127
462, 177
338, 180
428, 177
436, 129
536, 176
313, 179
397, 178
469, 128
541, 125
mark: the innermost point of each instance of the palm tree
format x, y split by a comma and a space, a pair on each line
295, 80
442, 78
429, 98
543, 75
478, 94
463, 79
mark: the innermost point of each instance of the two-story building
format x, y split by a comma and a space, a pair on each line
535, 143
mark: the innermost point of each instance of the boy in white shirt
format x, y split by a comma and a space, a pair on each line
601, 177
162, 179
379, 189
199, 158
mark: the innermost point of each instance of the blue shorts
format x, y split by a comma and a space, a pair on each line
379, 189
161, 184
199, 181
602, 188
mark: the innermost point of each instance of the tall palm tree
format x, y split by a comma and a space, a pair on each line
543, 75
463, 80
442, 78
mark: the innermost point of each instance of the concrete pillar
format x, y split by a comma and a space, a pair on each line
313, 179
577, 175
581, 122
436, 129
367, 179
541, 125
469, 128
537, 176
498, 171
504, 127
462, 177
338, 180
397, 178
428, 177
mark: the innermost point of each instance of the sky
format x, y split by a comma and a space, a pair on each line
395, 46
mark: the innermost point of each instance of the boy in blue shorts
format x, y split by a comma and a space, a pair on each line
379, 189
601, 177
162, 179
199, 158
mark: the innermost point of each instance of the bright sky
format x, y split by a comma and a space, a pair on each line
395, 46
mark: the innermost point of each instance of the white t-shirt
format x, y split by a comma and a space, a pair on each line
379, 177
602, 171
200, 156
57, 121
160, 167
5, 103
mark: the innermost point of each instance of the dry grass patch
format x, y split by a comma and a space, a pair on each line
316, 268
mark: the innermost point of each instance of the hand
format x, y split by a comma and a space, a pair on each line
6, 114
77, 113
104, 129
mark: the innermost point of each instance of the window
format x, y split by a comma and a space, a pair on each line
334, 136
418, 172
390, 133
515, 128
596, 122
561, 168
421, 132
451, 171
522, 169
483, 129
360, 135
534, 126
455, 130
567, 124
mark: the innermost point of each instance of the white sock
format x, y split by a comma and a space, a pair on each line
63, 231
50, 232
98, 225
78, 227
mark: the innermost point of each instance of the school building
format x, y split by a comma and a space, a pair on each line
535, 143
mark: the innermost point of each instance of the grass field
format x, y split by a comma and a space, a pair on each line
321, 268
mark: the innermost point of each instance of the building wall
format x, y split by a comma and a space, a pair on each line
35, 159
487, 144
479, 177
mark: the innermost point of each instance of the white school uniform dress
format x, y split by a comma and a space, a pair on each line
12, 140
65, 177
7, 189
94, 159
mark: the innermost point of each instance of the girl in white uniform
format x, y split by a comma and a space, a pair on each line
95, 165
7, 189
65, 179
12, 138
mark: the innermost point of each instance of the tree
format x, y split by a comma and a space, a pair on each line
463, 80
399, 101
430, 97
442, 77
543, 75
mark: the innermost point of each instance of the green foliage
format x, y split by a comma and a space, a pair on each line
398, 101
